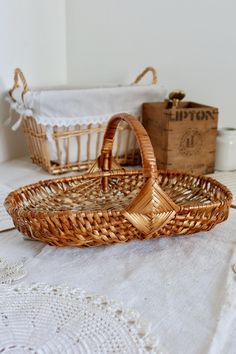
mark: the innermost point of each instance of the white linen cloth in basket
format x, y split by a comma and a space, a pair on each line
77, 108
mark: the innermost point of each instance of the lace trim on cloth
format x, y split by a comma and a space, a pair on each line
72, 121
58, 121
47, 319
9, 273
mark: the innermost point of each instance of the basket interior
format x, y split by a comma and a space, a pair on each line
76, 194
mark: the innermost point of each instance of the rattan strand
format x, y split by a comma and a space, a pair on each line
18, 75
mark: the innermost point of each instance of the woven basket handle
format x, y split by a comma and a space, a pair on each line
144, 72
19, 76
146, 149
152, 208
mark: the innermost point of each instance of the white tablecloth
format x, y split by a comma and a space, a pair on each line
184, 285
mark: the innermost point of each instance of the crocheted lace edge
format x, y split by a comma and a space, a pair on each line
64, 121
132, 318
17, 271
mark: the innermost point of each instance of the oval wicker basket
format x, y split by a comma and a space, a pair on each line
110, 204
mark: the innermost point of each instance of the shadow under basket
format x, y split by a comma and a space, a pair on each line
110, 204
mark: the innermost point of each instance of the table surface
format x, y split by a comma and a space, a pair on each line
184, 285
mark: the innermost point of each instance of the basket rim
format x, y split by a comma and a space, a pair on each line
116, 173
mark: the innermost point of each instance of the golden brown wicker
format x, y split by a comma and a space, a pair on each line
110, 204
38, 144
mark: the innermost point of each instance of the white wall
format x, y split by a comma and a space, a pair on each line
192, 43
32, 37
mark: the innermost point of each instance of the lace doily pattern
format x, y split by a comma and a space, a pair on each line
10, 272
41, 319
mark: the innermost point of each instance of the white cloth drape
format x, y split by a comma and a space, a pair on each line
77, 108
184, 285
67, 107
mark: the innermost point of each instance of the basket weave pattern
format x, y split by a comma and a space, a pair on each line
110, 204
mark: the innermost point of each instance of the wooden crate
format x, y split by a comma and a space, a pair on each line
183, 137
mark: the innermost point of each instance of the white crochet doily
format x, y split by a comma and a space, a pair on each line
10, 272
43, 319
